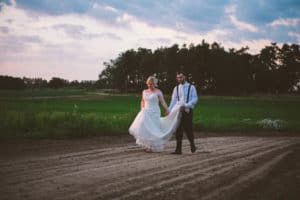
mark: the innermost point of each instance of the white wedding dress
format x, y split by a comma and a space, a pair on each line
150, 129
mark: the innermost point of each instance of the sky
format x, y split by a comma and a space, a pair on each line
71, 39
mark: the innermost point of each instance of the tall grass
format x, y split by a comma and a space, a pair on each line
66, 117
113, 114
248, 113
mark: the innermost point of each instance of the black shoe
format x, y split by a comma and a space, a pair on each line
176, 152
193, 149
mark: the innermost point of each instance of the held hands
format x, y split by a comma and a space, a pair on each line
167, 112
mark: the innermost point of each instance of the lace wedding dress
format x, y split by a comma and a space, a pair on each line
150, 129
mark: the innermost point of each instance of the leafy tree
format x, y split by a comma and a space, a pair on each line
11, 83
56, 82
209, 66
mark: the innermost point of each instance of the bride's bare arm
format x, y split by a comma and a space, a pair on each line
142, 102
163, 102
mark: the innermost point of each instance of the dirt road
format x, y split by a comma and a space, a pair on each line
222, 168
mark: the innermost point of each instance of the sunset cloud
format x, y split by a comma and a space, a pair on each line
72, 39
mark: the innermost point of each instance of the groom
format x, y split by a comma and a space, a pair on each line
190, 99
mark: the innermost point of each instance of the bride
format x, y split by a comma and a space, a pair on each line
150, 130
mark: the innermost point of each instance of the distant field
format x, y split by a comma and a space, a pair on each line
68, 113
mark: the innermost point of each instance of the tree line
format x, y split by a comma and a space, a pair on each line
16, 83
210, 67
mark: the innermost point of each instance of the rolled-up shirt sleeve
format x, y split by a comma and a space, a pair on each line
193, 98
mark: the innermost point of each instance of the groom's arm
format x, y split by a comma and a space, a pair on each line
173, 100
193, 98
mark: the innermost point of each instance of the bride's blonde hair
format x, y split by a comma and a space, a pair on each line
153, 80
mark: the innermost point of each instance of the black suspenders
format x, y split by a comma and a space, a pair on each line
188, 94
177, 93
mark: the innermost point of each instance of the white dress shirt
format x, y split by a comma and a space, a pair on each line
192, 99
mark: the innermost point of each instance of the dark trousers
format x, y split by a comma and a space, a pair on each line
186, 124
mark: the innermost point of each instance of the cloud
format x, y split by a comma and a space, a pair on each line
156, 41
13, 2
75, 48
296, 35
4, 29
243, 25
285, 22
194, 15
125, 18
254, 45
30, 39
105, 7
72, 39
79, 32
108, 35
13, 44
75, 31
230, 9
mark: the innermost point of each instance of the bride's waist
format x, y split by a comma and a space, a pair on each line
152, 108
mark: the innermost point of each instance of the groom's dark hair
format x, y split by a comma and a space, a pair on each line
181, 72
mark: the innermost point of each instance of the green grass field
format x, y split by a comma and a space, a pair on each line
68, 113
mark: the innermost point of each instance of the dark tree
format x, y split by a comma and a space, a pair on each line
58, 83
11, 83
35, 82
209, 66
